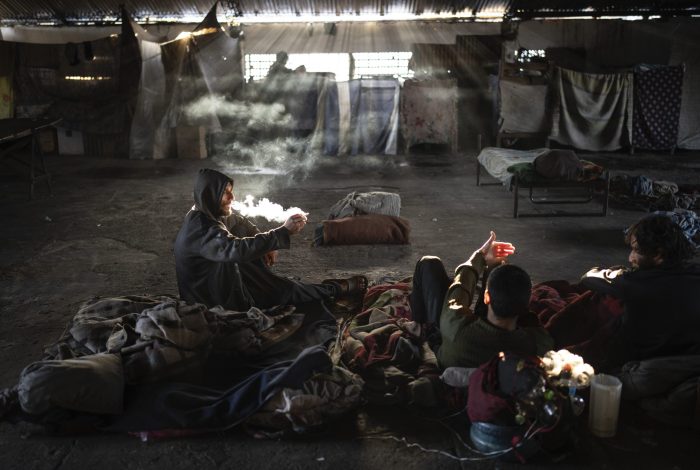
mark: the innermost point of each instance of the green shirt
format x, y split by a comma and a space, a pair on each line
468, 340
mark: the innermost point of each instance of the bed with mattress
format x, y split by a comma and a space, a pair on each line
515, 169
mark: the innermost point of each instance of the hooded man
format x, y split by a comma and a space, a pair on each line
223, 259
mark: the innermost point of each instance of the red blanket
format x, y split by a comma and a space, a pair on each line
577, 319
366, 230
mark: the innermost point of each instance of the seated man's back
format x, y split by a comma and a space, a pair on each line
469, 340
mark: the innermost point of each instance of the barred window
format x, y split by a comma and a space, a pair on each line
382, 63
257, 65
527, 55
336, 63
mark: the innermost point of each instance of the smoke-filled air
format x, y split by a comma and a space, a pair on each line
256, 137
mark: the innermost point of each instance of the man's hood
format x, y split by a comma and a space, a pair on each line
208, 190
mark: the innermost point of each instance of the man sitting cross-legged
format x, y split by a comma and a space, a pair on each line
469, 340
221, 258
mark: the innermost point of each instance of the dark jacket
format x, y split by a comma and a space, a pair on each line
662, 310
207, 254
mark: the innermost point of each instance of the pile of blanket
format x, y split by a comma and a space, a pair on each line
364, 219
161, 337
388, 350
643, 193
161, 366
584, 322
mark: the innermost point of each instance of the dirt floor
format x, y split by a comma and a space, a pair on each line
109, 228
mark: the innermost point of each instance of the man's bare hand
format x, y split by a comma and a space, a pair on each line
495, 252
270, 258
295, 223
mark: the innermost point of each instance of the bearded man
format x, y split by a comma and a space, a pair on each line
221, 258
660, 294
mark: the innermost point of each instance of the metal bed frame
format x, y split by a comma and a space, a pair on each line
516, 184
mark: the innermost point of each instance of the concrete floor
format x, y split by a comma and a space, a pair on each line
109, 229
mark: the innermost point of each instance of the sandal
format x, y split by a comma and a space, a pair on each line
354, 285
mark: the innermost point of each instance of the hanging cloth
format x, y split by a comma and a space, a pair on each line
592, 111
657, 106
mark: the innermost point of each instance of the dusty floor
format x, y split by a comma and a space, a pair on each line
109, 229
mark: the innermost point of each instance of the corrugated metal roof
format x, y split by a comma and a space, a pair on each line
107, 11
525, 9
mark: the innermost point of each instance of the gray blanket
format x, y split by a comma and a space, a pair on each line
374, 202
592, 111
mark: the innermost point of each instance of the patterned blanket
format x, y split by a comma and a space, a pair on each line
657, 106
387, 349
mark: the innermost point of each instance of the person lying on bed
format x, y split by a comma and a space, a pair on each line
221, 258
661, 314
469, 340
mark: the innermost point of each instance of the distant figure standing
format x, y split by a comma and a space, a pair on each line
280, 65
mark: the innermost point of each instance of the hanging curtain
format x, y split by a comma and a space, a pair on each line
657, 106
592, 111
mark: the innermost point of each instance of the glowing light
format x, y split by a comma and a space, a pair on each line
624, 18
201, 32
86, 77
363, 18
605, 17
495, 13
188, 34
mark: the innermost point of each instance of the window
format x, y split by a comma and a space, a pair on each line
382, 63
338, 63
528, 55
257, 65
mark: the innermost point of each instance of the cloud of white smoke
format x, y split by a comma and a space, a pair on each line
271, 211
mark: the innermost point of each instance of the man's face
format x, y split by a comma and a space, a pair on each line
226, 199
638, 260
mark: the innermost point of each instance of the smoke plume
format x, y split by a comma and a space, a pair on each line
271, 211
256, 137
